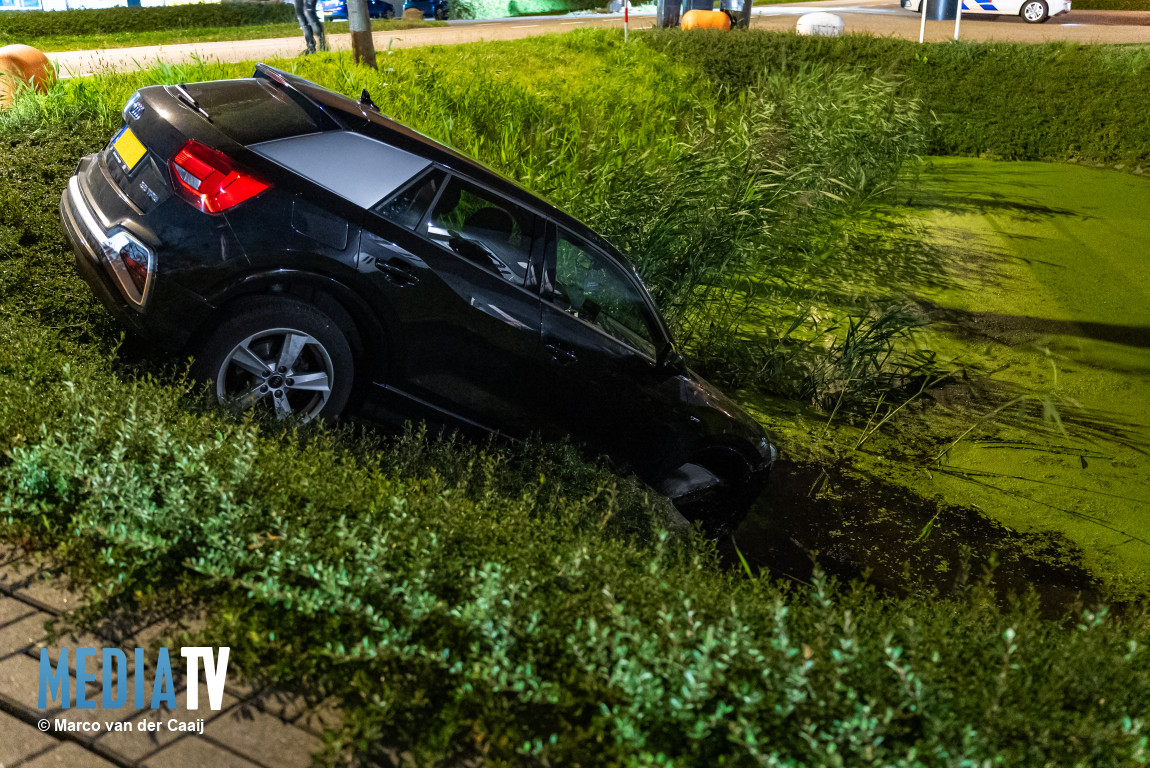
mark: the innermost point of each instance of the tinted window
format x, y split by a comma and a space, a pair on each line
251, 111
483, 228
407, 208
594, 289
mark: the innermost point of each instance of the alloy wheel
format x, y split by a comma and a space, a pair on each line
281, 367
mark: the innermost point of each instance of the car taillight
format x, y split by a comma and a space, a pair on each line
211, 181
137, 270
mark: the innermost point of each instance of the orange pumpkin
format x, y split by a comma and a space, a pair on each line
23, 64
705, 20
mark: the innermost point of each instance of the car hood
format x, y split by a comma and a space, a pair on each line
723, 415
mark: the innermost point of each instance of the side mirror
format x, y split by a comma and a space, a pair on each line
670, 359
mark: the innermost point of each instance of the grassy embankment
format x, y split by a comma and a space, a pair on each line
459, 602
123, 27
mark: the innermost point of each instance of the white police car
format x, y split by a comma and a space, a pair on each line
1032, 11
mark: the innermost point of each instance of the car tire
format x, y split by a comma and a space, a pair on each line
282, 355
1034, 11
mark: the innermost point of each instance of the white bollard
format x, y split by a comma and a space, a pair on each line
822, 23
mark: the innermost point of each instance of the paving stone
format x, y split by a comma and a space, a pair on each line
317, 719
19, 683
23, 633
10, 553
262, 737
12, 609
72, 640
136, 744
19, 741
20, 678
50, 593
294, 710
69, 755
14, 574
194, 752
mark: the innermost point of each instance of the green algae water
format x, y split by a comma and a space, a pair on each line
1055, 296
1038, 276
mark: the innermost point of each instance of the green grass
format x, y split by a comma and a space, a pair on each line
522, 604
1112, 5
127, 39
26, 25
1051, 101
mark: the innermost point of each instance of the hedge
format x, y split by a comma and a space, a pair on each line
1110, 5
15, 27
1051, 101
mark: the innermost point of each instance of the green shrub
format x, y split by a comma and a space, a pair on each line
19, 27
1111, 5
1054, 101
519, 604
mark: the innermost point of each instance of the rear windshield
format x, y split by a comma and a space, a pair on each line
252, 110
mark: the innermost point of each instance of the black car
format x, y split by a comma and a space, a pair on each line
316, 256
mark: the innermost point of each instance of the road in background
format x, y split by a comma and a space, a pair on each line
878, 17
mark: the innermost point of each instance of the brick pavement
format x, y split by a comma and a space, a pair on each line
252, 729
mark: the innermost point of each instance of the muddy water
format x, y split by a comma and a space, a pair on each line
860, 527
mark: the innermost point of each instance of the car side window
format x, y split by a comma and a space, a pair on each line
406, 207
482, 227
591, 287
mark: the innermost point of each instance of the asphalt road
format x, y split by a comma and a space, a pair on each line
878, 17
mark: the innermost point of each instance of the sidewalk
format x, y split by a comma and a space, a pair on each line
251, 730
877, 17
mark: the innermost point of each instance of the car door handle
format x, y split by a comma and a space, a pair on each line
561, 354
397, 271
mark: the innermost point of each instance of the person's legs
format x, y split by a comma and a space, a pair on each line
301, 14
316, 24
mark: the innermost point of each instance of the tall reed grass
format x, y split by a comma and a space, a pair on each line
722, 203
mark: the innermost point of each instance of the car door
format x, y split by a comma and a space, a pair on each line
600, 344
449, 261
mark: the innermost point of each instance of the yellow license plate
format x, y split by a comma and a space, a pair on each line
129, 148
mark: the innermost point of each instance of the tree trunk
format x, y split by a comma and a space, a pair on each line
362, 44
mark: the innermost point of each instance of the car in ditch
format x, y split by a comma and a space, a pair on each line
1031, 11
319, 258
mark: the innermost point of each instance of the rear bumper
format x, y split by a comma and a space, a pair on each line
93, 248
83, 232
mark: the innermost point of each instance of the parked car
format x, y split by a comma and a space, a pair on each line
431, 9
1032, 11
318, 257
337, 9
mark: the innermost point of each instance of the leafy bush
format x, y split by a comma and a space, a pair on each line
19, 27
1111, 5
520, 605
1053, 101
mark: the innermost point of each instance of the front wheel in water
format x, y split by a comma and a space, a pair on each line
1034, 11
282, 356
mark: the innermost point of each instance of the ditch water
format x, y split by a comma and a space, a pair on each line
866, 528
